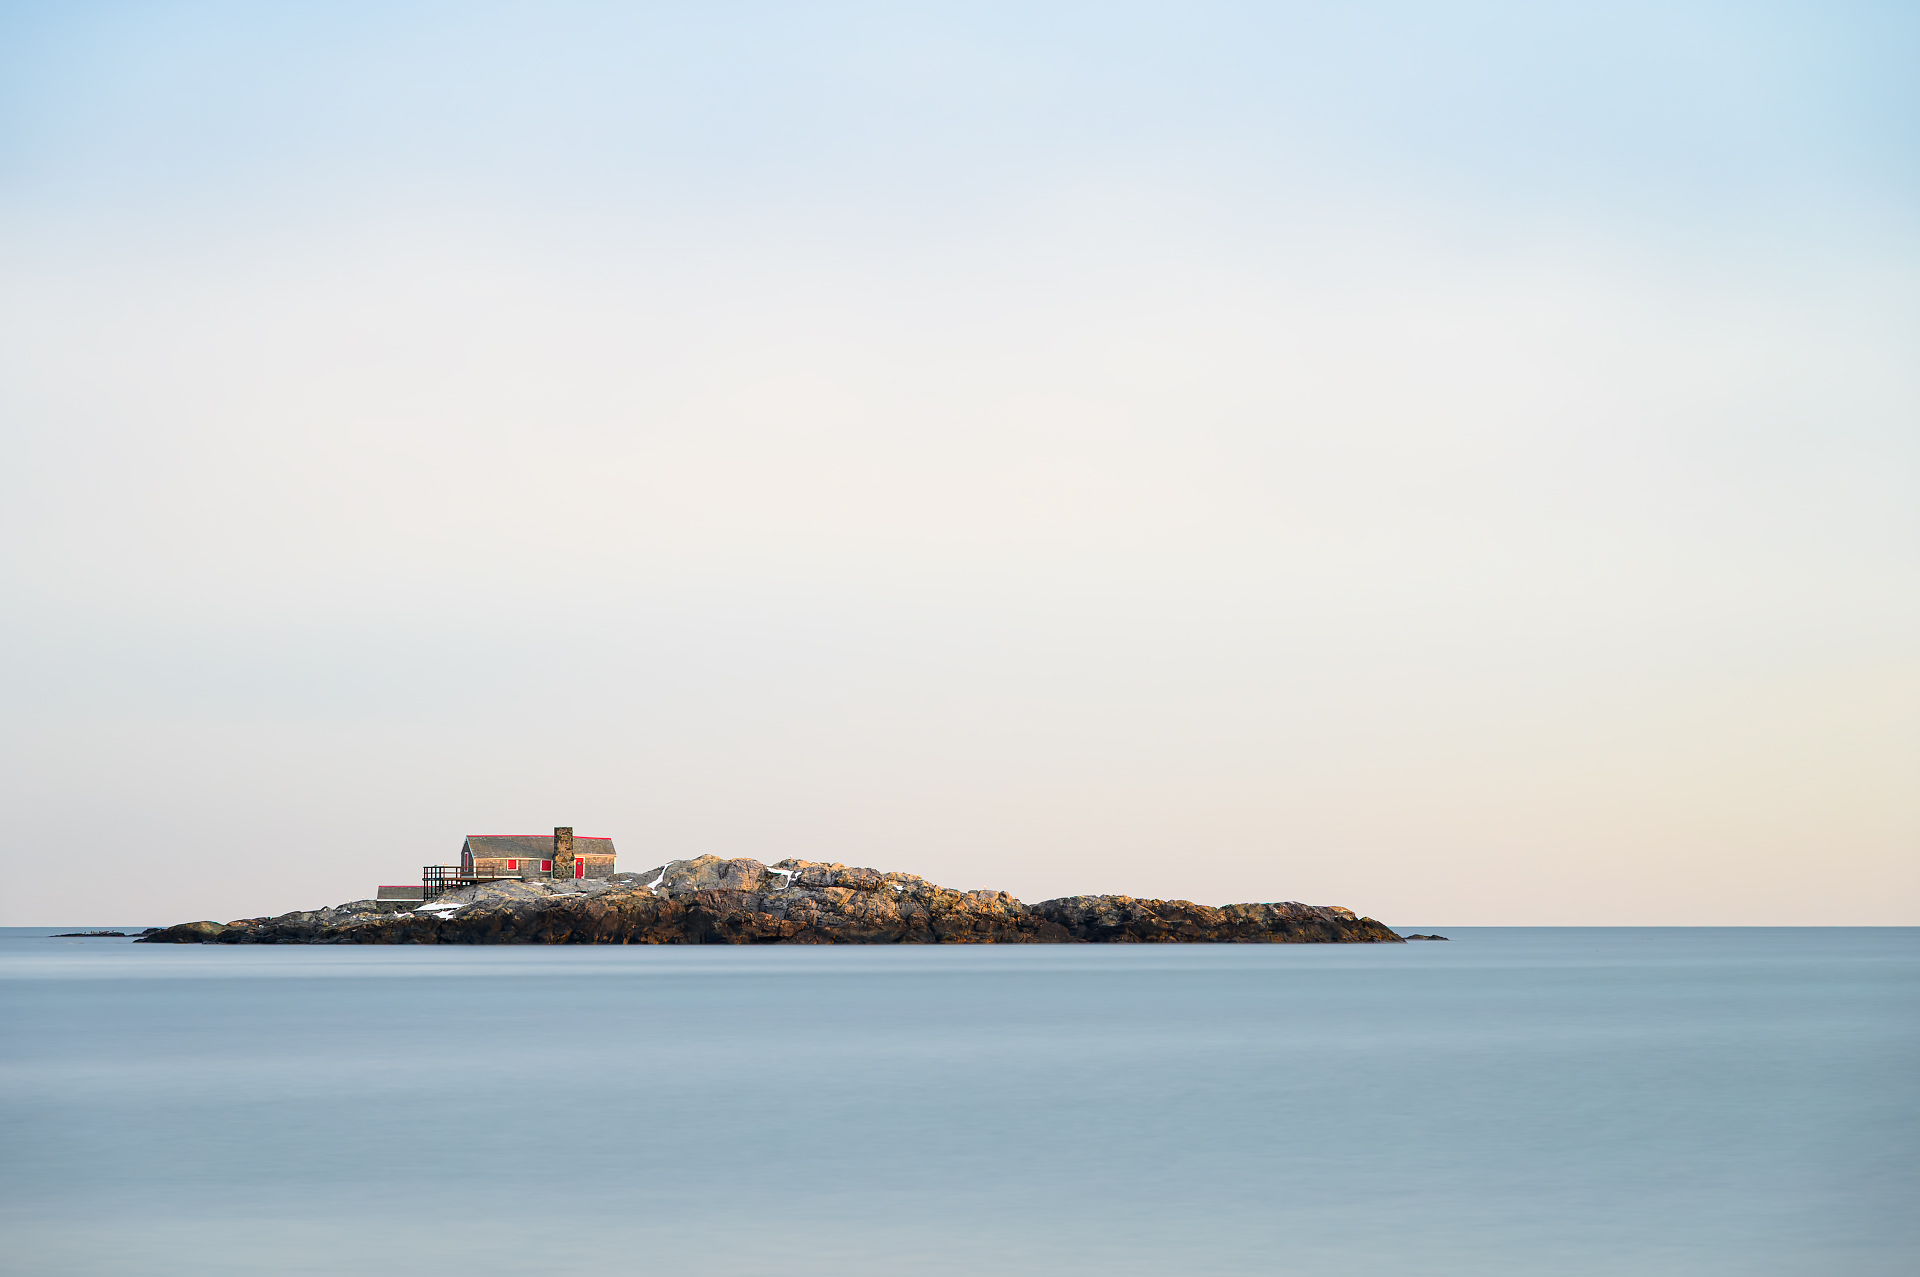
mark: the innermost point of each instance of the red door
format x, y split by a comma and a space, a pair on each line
579, 868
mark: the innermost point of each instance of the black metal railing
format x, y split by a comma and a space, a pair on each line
436, 880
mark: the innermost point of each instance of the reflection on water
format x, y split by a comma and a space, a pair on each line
1562, 1101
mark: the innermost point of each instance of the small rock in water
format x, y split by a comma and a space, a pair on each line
1425, 937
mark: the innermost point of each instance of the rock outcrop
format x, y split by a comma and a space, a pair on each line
1124, 920
715, 901
187, 933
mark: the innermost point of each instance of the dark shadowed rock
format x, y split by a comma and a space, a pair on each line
185, 933
715, 901
1125, 920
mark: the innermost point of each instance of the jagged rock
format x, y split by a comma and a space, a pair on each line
741, 901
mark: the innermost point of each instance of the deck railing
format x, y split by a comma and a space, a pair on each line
438, 879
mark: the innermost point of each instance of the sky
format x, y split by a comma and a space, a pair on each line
1460, 461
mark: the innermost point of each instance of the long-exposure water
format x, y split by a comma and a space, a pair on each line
1515, 1101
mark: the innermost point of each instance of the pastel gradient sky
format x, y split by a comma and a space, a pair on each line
1456, 460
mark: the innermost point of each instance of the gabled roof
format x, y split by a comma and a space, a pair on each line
532, 846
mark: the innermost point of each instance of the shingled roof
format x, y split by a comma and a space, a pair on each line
531, 846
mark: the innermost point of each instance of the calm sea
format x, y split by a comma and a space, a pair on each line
1516, 1101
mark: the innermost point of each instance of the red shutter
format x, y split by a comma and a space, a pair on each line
512, 865
546, 866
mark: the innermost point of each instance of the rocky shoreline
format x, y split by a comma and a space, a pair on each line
715, 901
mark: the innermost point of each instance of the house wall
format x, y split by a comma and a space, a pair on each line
523, 867
597, 866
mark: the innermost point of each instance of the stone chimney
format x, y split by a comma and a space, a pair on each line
563, 851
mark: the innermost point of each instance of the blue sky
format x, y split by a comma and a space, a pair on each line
1668, 120
1457, 461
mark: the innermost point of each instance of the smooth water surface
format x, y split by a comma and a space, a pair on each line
1563, 1101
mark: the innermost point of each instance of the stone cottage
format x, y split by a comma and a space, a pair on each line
536, 856
484, 857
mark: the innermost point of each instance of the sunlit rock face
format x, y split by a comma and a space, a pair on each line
741, 901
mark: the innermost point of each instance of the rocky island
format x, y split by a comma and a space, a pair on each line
715, 901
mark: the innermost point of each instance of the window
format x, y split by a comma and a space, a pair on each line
512, 865
546, 866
